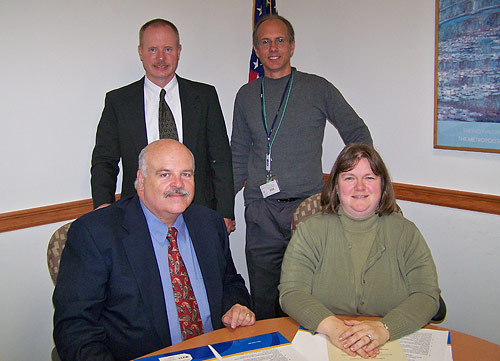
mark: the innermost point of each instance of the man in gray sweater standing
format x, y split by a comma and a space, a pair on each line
276, 143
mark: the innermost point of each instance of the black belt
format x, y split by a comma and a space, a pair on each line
286, 200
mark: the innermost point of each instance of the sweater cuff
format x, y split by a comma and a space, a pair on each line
314, 317
397, 326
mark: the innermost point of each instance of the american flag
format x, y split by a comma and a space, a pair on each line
261, 8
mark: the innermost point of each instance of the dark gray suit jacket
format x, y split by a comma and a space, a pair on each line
121, 134
109, 300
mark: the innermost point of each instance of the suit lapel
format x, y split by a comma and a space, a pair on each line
191, 108
140, 253
206, 249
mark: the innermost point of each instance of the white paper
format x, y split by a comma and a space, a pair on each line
318, 348
448, 354
312, 347
426, 345
423, 345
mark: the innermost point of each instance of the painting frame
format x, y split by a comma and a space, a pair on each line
467, 76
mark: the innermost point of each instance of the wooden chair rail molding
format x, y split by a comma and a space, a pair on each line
477, 202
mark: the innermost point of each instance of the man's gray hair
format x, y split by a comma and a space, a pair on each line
143, 166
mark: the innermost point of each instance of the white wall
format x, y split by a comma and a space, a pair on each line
58, 59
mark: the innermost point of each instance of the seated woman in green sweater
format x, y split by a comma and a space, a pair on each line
359, 256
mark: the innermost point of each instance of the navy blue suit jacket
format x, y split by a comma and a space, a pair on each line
108, 299
121, 134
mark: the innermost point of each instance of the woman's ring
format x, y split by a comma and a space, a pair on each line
370, 337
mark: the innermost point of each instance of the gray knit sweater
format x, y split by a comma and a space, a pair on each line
398, 279
297, 149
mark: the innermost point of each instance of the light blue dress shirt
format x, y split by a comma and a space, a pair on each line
158, 232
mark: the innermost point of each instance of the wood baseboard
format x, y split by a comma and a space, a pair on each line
477, 202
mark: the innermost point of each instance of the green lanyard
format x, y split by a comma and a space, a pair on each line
270, 141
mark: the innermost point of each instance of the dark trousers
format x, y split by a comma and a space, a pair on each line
267, 236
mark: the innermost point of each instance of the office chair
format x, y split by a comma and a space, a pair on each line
55, 248
54, 251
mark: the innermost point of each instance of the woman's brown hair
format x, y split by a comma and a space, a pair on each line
347, 160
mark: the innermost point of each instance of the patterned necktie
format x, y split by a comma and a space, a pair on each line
166, 122
187, 307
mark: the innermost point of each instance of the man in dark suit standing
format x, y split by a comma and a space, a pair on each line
130, 121
116, 297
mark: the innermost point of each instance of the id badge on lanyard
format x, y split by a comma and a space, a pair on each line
270, 186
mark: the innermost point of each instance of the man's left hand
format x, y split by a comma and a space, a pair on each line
238, 315
230, 225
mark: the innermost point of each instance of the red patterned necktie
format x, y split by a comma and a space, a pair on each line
187, 307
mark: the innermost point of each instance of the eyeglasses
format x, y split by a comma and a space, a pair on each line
266, 43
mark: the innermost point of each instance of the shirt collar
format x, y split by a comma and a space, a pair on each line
152, 87
157, 229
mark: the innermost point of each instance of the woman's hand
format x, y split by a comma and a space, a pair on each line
334, 328
365, 336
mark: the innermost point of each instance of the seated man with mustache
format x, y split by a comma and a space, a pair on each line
148, 271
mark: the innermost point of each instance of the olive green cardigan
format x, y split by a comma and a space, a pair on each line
398, 280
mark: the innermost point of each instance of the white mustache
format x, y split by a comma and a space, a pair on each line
180, 191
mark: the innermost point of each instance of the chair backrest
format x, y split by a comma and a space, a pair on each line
55, 248
308, 207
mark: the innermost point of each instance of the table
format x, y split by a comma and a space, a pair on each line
464, 347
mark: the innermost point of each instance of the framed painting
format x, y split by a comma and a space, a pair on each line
467, 94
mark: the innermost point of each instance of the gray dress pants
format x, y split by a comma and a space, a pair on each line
267, 235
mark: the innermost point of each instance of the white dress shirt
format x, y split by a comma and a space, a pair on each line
151, 104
